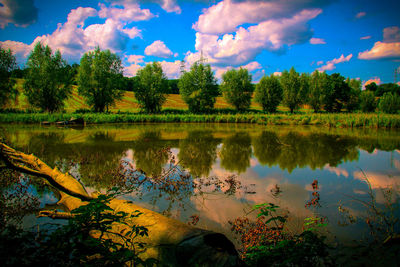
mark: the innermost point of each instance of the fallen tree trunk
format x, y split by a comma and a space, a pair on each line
171, 242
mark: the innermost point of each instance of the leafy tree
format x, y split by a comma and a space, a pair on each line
367, 101
336, 94
7, 65
354, 94
173, 86
236, 88
48, 80
316, 93
305, 80
269, 93
390, 103
371, 87
292, 95
387, 88
198, 87
152, 87
100, 78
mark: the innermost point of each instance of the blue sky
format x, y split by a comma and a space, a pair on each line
359, 39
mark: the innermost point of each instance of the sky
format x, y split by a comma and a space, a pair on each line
358, 39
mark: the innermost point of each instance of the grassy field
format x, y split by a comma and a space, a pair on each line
128, 104
175, 110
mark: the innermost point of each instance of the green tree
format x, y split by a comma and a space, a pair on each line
387, 88
236, 88
316, 93
48, 80
390, 103
371, 87
100, 78
292, 95
269, 93
7, 65
198, 87
337, 93
367, 101
152, 87
353, 102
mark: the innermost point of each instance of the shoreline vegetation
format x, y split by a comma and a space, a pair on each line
340, 120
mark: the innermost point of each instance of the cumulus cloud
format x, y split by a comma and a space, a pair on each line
131, 11
225, 16
360, 15
73, 39
376, 80
171, 69
19, 49
21, 13
254, 65
167, 5
378, 180
331, 65
135, 59
243, 46
158, 49
317, 41
389, 48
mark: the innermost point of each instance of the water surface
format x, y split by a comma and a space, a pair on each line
232, 167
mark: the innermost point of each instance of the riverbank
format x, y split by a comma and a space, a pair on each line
330, 120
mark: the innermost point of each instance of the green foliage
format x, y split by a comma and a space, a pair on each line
48, 80
7, 65
304, 249
236, 88
337, 93
73, 244
318, 85
198, 88
100, 78
389, 103
371, 87
152, 87
292, 95
269, 93
367, 101
387, 88
353, 102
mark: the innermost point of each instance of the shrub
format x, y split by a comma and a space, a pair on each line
389, 103
367, 101
268, 93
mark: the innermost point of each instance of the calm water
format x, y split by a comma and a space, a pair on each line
233, 167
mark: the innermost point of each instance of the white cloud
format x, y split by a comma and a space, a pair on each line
21, 13
389, 48
243, 46
19, 49
131, 11
360, 15
254, 65
132, 69
317, 41
73, 39
135, 59
167, 5
376, 80
158, 49
171, 69
365, 37
277, 73
225, 16
331, 65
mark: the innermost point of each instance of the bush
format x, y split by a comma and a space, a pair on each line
268, 93
367, 101
389, 103
236, 88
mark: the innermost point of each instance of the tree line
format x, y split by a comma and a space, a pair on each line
99, 78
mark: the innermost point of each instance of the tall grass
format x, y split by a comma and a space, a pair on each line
355, 120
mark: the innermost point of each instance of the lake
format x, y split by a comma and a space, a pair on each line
218, 172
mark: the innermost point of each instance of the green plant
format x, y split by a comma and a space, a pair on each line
390, 103
367, 101
48, 80
85, 240
268, 93
236, 88
151, 89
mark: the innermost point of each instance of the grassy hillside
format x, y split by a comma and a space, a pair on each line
127, 104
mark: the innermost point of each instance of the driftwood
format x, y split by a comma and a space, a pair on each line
171, 242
